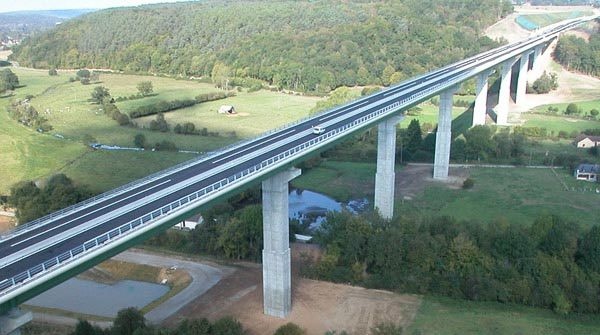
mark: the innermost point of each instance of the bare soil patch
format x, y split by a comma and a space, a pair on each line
316, 306
6, 223
412, 179
4, 54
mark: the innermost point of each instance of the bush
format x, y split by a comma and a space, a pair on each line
289, 329
161, 107
545, 83
468, 184
204, 97
572, 109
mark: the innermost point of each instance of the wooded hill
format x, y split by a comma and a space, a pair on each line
311, 46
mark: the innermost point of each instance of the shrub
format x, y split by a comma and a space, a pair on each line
289, 329
468, 184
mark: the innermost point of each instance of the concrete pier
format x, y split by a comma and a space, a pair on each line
386, 176
276, 253
522, 79
535, 73
480, 107
11, 322
504, 93
443, 137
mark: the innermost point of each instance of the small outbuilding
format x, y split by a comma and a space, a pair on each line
226, 109
189, 223
587, 172
587, 141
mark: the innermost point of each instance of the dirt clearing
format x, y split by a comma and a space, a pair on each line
412, 179
316, 306
6, 223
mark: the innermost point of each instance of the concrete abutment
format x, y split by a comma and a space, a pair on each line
13, 320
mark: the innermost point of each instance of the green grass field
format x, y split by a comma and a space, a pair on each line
105, 170
444, 316
256, 113
27, 154
341, 180
518, 195
543, 20
556, 123
586, 106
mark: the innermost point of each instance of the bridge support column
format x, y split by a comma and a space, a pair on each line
522, 79
504, 93
386, 158
535, 67
276, 253
11, 322
443, 137
480, 108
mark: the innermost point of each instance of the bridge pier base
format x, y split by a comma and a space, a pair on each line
480, 107
443, 136
11, 322
504, 93
276, 253
522, 79
385, 177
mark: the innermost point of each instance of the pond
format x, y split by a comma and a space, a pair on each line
309, 206
88, 297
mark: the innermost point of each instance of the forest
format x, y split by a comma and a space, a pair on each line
576, 54
299, 45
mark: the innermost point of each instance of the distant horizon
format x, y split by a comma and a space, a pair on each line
42, 5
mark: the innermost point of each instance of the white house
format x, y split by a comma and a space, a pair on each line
587, 141
588, 172
226, 109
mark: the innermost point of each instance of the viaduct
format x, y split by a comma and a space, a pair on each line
45, 252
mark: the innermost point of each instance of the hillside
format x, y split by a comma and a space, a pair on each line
18, 25
307, 46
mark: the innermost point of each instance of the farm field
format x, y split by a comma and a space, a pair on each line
556, 123
27, 154
518, 195
444, 316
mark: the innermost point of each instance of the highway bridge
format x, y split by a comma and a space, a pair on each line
47, 251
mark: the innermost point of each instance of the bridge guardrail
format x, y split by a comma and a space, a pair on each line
9, 284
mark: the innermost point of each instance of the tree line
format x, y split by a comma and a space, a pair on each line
321, 46
576, 54
550, 263
33, 200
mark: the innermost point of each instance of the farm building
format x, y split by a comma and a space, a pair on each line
588, 172
587, 141
226, 109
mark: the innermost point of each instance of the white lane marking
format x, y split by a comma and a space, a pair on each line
99, 209
252, 146
343, 111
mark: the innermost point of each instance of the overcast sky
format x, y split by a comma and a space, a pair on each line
17, 5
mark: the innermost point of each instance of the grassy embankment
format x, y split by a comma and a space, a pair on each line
27, 154
443, 316
534, 21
